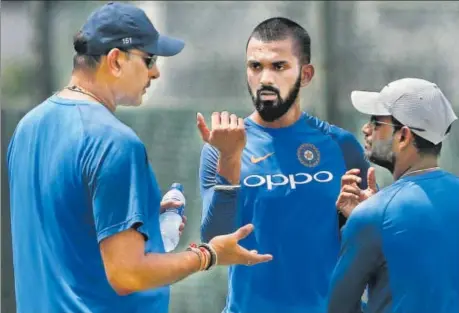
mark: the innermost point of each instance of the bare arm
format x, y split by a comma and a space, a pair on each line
129, 269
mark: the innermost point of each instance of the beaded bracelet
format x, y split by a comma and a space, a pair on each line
207, 255
213, 254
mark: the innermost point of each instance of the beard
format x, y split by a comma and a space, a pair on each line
381, 154
271, 110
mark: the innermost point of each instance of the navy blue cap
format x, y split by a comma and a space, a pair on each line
125, 26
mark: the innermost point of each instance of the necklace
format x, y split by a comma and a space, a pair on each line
420, 171
81, 90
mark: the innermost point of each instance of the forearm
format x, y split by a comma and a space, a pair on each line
218, 171
229, 167
156, 270
219, 216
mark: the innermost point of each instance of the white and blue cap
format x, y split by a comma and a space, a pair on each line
125, 26
416, 103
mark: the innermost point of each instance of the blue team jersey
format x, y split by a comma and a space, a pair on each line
403, 242
290, 181
77, 175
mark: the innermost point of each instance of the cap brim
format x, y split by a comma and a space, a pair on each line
165, 46
368, 103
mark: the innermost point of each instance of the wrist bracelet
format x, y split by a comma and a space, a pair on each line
198, 253
206, 254
208, 258
227, 187
213, 254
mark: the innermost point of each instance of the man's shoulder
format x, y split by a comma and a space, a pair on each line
109, 128
338, 133
351, 148
421, 191
377, 204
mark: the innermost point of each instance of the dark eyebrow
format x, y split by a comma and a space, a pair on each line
277, 63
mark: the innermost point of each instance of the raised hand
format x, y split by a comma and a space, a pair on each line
227, 133
351, 194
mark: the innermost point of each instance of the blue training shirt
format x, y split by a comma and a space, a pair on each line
78, 175
403, 242
290, 181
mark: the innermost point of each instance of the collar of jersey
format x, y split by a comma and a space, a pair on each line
288, 129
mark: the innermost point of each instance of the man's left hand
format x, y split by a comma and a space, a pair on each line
171, 204
351, 195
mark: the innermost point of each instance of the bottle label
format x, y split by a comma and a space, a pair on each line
178, 210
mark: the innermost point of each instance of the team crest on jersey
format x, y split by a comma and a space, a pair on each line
308, 155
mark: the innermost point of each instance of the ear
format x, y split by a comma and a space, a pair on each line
405, 137
114, 62
307, 73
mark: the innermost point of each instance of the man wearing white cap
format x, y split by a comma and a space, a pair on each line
402, 241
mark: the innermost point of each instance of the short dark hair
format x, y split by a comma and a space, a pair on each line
81, 59
423, 146
280, 28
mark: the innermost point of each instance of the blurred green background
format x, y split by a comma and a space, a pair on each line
355, 45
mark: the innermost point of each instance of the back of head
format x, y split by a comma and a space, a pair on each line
82, 59
281, 28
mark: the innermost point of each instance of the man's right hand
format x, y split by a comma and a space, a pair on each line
351, 195
227, 133
229, 252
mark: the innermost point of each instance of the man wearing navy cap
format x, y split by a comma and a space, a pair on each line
85, 203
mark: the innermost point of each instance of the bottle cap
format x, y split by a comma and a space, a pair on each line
177, 186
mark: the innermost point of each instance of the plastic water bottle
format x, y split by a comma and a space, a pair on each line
171, 219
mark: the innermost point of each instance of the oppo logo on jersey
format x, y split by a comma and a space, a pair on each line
292, 179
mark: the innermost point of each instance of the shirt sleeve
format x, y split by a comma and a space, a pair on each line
119, 184
359, 259
218, 206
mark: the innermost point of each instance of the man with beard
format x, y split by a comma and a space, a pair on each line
402, 241
281, 174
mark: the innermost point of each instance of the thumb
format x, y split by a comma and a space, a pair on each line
243, 232
371, 179
203, 129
